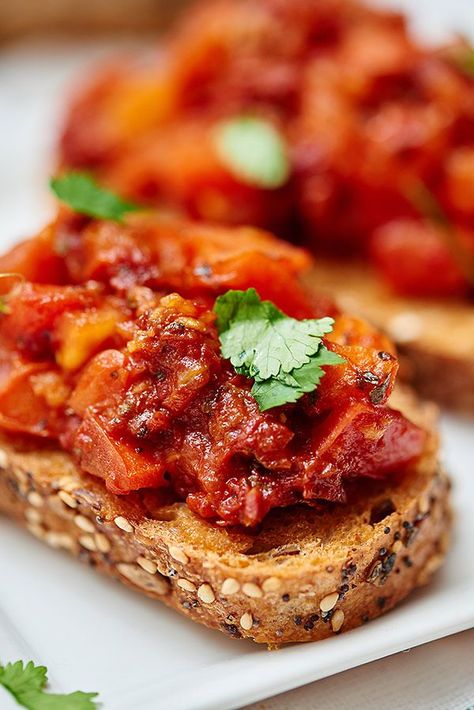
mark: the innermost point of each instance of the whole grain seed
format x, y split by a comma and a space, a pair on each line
59, 540
151, 583
3, 459
271, 584
84, 523
186, 584
329, 602
67, 499
231, 629
178, 554
33, 516
206, 593
337, 620
102, 542
88, 542
66, 483
246, 621
229, 586
424, 504
147, 565
35, 499
36, 530
250, 589
397, 546
123, 524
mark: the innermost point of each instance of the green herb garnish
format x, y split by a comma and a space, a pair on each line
254, 151
26, 683
283, 356
84, 195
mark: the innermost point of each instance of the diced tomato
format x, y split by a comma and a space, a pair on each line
36, 259
33, 312
22, 410
130, 379
124, 466
414, 258
101, 382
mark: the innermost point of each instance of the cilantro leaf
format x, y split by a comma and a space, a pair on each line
284, 356
260, 340
84, 195
285, 390
254, 151
26, 684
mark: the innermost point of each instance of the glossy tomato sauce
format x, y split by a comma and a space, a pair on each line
109, 346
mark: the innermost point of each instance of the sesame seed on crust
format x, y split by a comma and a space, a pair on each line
102, 542
206, 593
146, 564
84, 523
178, 554
250, 589
67, 499
246, 621
186, 584
35, 499
271, 584
329, 602
123, 524
337, 620
230, 586
88, 542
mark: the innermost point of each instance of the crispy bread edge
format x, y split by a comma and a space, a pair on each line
246, 585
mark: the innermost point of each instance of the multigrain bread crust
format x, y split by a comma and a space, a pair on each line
304, 575
435, 337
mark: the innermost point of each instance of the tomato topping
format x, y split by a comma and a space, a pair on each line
122, 366
366, 114
415, 259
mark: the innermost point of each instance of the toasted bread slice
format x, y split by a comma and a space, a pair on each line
304, 575
435, 337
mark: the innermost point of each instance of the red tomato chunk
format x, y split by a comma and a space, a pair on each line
119, 360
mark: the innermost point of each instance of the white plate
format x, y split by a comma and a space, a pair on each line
92, 633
